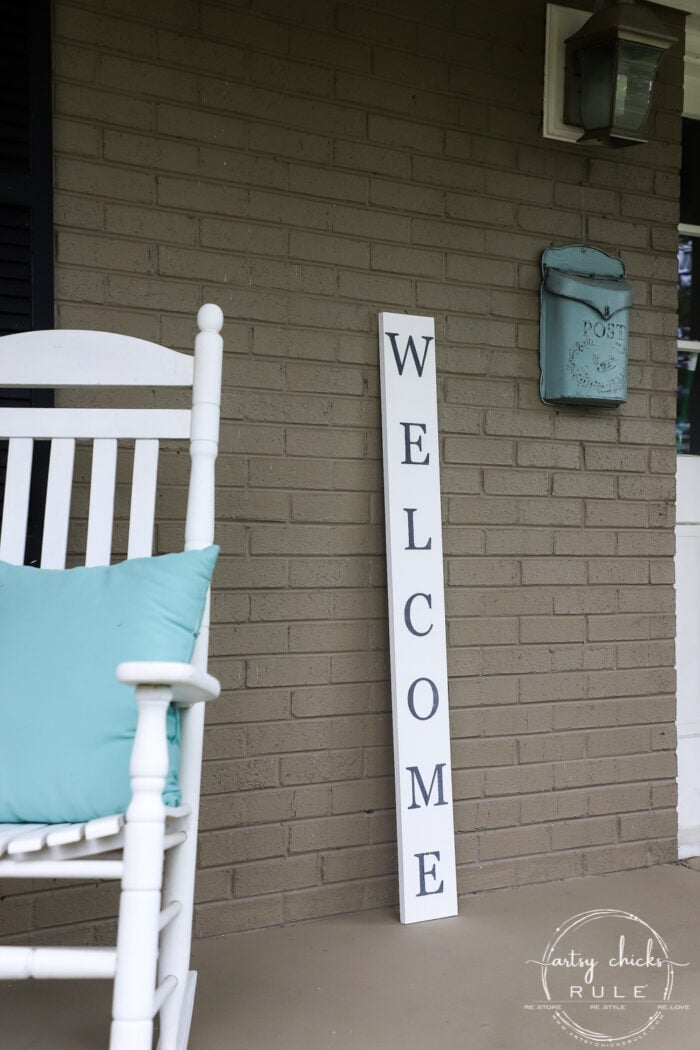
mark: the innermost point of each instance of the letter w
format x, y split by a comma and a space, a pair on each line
410, 346
416, 778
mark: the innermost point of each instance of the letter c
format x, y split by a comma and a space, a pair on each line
407, 614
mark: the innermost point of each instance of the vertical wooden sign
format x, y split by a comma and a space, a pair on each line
422, 767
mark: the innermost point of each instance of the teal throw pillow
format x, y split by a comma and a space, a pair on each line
66, 724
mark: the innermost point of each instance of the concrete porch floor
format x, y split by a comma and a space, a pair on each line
364, 981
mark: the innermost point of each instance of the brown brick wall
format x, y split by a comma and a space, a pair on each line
307, 165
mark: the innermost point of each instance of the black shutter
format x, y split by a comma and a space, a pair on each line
26, 186
26, 194
690, 172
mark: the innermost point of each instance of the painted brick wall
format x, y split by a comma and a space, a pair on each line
307, 165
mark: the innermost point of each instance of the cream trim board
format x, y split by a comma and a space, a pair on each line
691, 7
562, 22
691, 82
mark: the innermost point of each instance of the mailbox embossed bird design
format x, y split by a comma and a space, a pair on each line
584, 325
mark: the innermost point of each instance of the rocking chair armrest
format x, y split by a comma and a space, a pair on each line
189, 684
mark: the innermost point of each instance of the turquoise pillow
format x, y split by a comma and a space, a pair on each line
66, 724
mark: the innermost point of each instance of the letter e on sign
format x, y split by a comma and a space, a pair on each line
422, 770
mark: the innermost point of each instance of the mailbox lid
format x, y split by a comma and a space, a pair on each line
606, 295
583, 259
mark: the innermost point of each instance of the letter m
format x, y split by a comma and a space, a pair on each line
417, 779
410, 348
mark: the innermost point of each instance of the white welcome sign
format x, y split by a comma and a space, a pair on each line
427, 872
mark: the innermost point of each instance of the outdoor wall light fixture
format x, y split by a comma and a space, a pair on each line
609, 67
611, 64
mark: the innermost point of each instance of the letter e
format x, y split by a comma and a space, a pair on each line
429, 872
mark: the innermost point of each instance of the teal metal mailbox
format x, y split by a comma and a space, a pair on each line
584, 323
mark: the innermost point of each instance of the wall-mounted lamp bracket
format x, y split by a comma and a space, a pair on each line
562, 22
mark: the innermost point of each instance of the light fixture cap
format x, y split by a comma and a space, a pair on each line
625, 20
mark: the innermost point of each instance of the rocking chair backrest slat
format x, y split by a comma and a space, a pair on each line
96, 422
18, 477
143, 499
58, 497
76, 358
98, 548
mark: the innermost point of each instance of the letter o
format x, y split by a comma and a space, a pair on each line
599, 329
436, 699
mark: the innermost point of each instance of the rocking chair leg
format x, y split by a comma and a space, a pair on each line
134, 983
139, 910
178, 885
176, 1012
131, 1035
176, 1020
175, 960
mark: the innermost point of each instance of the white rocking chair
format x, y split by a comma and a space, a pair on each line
157, 845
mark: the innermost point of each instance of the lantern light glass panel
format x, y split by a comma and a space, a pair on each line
636, 70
